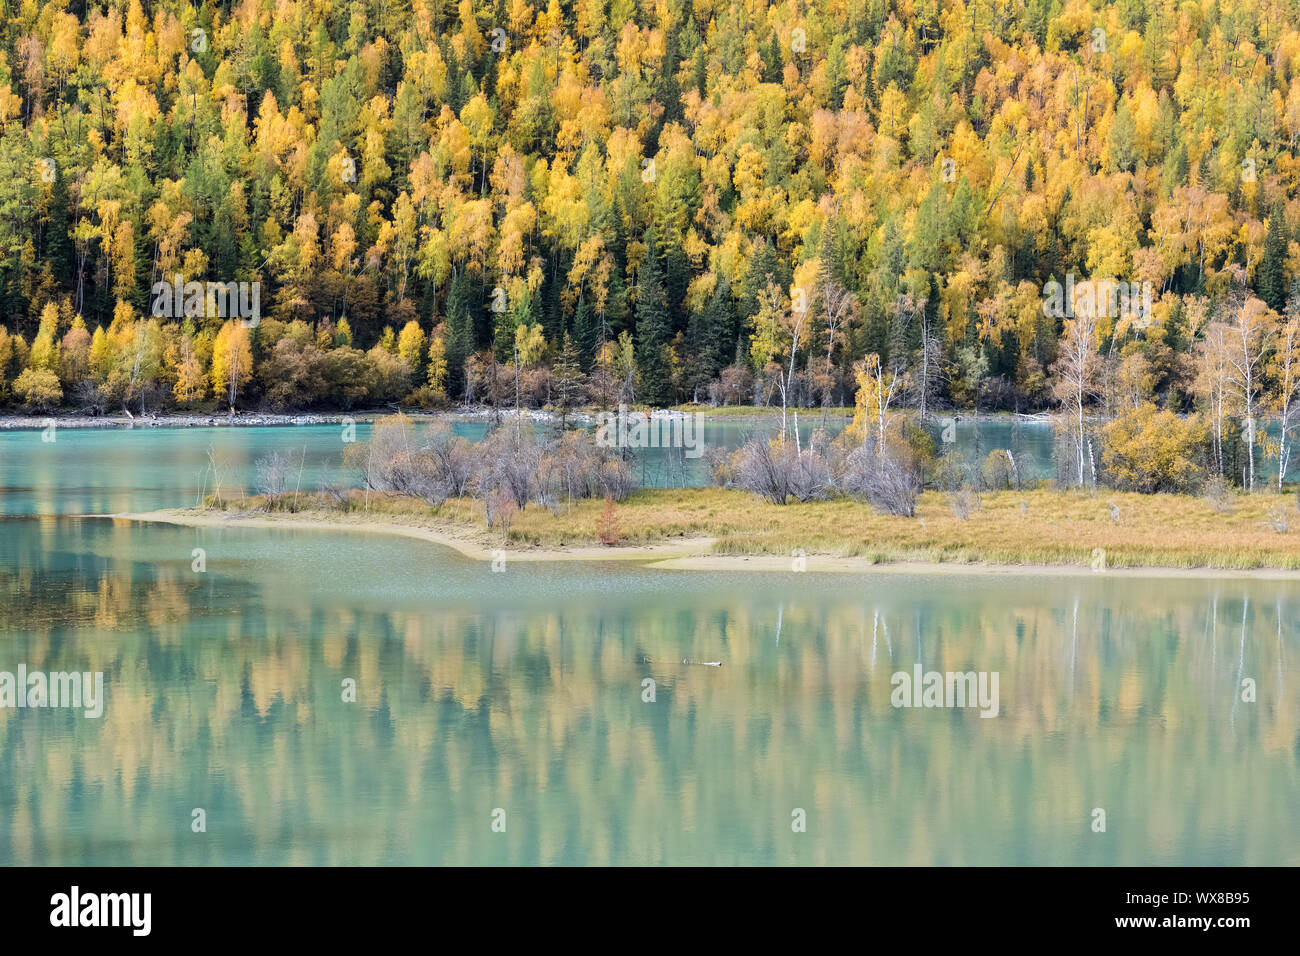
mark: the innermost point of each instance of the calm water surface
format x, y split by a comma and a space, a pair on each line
523, 691
112, 471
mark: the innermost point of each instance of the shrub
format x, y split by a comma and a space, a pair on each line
508, 470
39, 388
776, 471
293, 373
392, 460
608, 530
508, 463
810, 479
615, 479
389, 375
724, 475
426, 396
950, 472
1218, 494
273, 477
996, 473
964, 501
888, 481
346, 375
453, 459
1149, 451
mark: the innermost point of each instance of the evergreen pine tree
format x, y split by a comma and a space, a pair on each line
709, 338
677, 279
59, 251
762, 266
585, 332
567, 379
652, 328
460, 338
701, 69
1271, 279
773, 67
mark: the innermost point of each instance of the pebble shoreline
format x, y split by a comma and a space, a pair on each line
266, 420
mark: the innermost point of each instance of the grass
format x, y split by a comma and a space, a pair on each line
1012, 528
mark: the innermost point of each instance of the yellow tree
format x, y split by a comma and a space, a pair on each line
778, 328
232, 361
438, 365
410, 346
1212, 377
191, 382
876, 387
45, 350
6, 354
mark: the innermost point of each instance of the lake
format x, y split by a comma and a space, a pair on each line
506, 718
113, 471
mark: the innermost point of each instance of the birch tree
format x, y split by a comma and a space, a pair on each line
1211, 383
1286, 372
929, 362
1076, 373
876, 387
1249, 326
839, 310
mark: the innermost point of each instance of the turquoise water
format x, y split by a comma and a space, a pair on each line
121, 470
523, 692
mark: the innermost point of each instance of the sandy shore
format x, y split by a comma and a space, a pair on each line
682, 554
468, 542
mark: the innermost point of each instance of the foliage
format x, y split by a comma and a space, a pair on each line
1147, 450
711, 210
38, 388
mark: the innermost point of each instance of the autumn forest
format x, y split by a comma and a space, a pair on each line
554, 204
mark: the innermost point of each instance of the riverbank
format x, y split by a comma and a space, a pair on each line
250, 420
1033, 532
269, 420
253, 419
733, 413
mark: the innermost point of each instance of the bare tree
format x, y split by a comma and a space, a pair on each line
273, 477
930, 361
839, 311
1249, 323
1076, 373
888, 482
217, 468
906, 308
793, 321
876, 389
1286, 364
453, 459
1211, 383
776, 471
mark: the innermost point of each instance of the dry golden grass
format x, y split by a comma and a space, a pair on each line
1052, 527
